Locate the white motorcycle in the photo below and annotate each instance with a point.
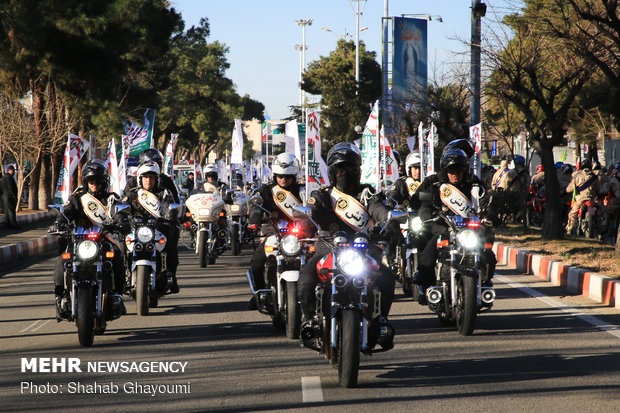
(238, 213)
(209, 213)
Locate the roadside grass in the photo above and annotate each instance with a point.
(584, 253)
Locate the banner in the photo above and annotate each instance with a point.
(264, 132)
(236, 156)
(316, 169)
(474, 135)
(74, 151)
(370, 149)
(140, 137)
(389, 165)
(112, 164)
(222, 171)
(169, 156)
(292, 139)
(422, 149)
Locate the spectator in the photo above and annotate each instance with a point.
(189, 182)
(9, 197)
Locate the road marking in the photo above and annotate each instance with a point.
(597, 322)
(38, 327)
(311, 389)
(31, 326)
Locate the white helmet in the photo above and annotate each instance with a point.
(210, 168)
(412, 159)
(147, 167)
(285, 164)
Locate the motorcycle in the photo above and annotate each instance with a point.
(348, 307)
(406, 261)
(459, 295)
(587, 219)
(148, 276)
(211, 229)
(89, 277)
(238, 213)
(286, 252)
(536, 207)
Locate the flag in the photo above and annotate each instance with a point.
(140, 137)
(316, 169)
(422, 149)
(222, 171)
(411, 143)
(292, 139)
(389, 168)
(564, 154)
(169, 157)
(236, 156)
(494, 149)
(264, 132)
(476, 138)
(370, 149)
(430, 151)
(112, 164)
(74, 151)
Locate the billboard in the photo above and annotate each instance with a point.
(409, 62)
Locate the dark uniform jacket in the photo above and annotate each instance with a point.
(265, 191)
(320, 203)
(8, 187)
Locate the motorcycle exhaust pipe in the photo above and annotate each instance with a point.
(433, 295)
(488, 295)
(251, 281)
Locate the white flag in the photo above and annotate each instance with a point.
(430, 151)
(422, 148)
(112, 164)
(476, 138)
(236, 155)
(169, 157)
(315, 170)
(74, 151)
(292, 139)
(389, 165)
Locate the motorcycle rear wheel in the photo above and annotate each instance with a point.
(293, 312)
(466, 305)
(85, 316)
(202, 249)
(349, 347)
(143, 273)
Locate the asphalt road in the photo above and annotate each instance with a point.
(525, 355)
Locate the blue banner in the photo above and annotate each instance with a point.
(409, 62)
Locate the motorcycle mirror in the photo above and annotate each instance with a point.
(55, 209)
(257, 200)
(174, 210)
(301, 212)
(398, 216)
(119, 208)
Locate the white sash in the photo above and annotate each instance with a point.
(455, 200)
(98, 214)
(412, 185)
(350, 211)
(285, 200)
(149, 202)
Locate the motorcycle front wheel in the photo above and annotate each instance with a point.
(202, 248)
(293, 312)
(143, 274)
(349, 347)
(466, 305)
(234, 240)
(85, 316)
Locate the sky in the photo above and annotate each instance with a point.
(261, 36)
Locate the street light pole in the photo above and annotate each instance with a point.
(303, 24)
(357, 42)
(478, 10)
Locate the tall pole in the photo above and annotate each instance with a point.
(384, 109)
(303, 24)
(477, 11)
(357, 46)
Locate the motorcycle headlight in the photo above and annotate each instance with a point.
(416, 224)
(235, 207)
(204, 211)
(145, 234)
(468, 239)
(290, 245)
(87, 250)
(351, 262)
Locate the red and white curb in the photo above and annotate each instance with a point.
(27, 218)
(12, 253)
(595, 286)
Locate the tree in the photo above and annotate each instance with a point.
(541, 79)
(343, 105)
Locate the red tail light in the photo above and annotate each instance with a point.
(187, 224)
(252, 226)
(473, 224)
(93, 236)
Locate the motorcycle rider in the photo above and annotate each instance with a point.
(328, 207)
(538, 180)
(212, 180)
(164, 180)
(406, 186)
(454, 170)
(84, 208)
(279, 197)
(585, 187)
(158, 205)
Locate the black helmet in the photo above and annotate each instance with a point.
(344, 153)
(585, 164)
(462, 144)
(152, 154)
(452, 157)
(95, 170)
